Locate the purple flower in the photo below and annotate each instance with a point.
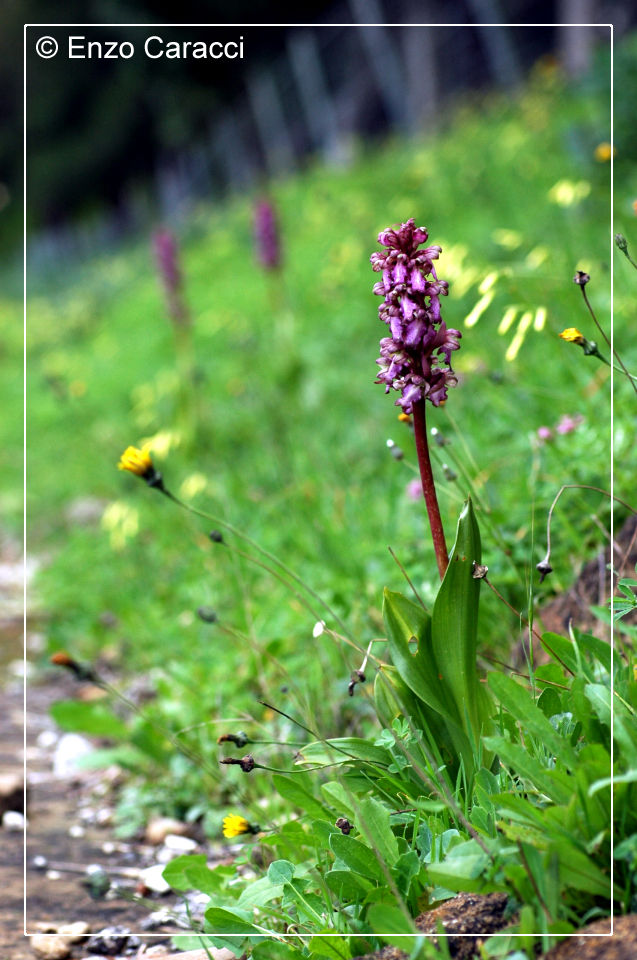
(416, 358)
(266, 235)
(544, 434)
(414, 490)
(568, 424)
(165, 247)
(167, 259)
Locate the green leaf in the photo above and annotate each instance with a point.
(405, 622)
(391, 924)
(124, 755)
(338, 798)
(374, 824)
(623, 721)
(462, 870)
(556, 784)
(191, 872)
(258, 893)
(220, 922)
(454, 629)
(343, 750)
(90, 717)
(334, 948)
(519, 702)
(292, 789)
(275, 950)
(280, 871)
(599, 649)
(564, 651)
(357, 856)
(549, 702)
(348, 885)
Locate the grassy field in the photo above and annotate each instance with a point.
(284, 434)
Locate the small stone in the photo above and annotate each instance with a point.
(74, 931)
(47, 739)
(53, 875)
(159, 828)
(108, 847)
(40, 863)
(69, 751)
(11, 792)
(76, 831)
(179, 843)
(50, 947)
(152, 878)
(110, 940)
(104, 816)
(13, 820)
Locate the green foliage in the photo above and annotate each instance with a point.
(453, 707)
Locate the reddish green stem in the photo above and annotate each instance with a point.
(429, 487)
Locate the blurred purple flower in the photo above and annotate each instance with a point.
(266, 235)
(414, 490)
(569, 424)
(416, 358)
(167, 259)
(165, 247)
(544, 434)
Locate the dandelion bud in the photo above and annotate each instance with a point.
(246, 763)
(357, 676)
(239, 739)
(207, 614)
(581, 278)
(621, 242)
(63, 659)
(343, 825)
(544, 568)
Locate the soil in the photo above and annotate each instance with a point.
(621, 946)
(52, 806)
(468, 913)
(594, 585)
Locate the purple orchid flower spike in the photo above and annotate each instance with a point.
(266, 235)
(416, 358)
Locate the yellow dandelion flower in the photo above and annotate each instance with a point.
(603, 152)
(572, 335)
(136, 461)
(234, 826)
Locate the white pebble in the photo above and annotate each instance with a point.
(173, 841)
(13, 820)
(76, 831)
(152, 877)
